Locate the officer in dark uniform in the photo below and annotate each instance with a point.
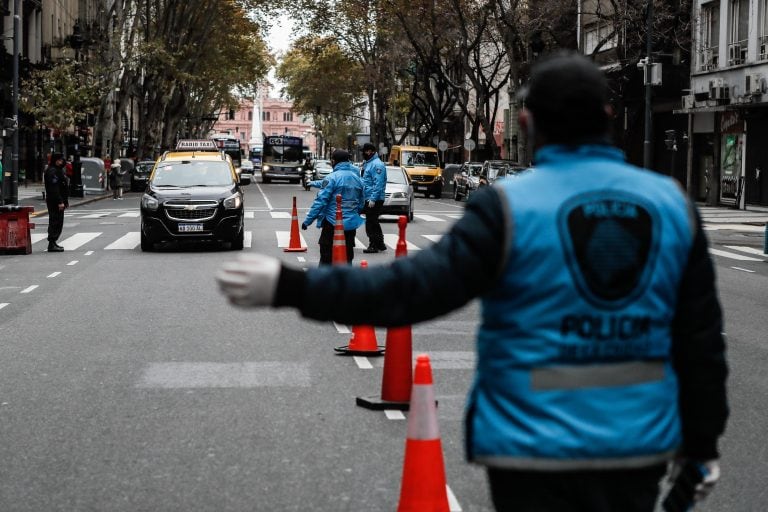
(56, 198)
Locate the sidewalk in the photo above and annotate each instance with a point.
(32, 195)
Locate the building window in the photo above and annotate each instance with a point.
(598, 35)
(738, 24)
(265, 116)
(709, 35)
(762, 45)
(250, 115)
(287, 116)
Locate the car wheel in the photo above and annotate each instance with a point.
(237, 243)
(438, 192)
(146, 245)
(264, 179)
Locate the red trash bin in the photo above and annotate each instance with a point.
(14, 229)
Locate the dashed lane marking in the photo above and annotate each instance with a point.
(29, 288)
(363, 363)
(53, 274)
(732, 255)
(3, 304)
(248, 240)
(394, 415)
(73, 262)
(341, 329)
(743, 270)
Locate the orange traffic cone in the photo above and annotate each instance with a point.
(294, 245)
(397, 378)
(363, 341)
(339, 255)
(423, 486)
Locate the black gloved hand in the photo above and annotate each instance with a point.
(303, 226)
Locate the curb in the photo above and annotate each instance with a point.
(72, 205)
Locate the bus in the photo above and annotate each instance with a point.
(254, 155)
(282, 158)
(230, 146)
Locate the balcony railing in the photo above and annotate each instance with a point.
(708, 59)
(762, 48)
(737, 53)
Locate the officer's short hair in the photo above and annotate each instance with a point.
(340, 155)
(567, 95)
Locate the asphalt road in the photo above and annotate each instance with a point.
(128, 383)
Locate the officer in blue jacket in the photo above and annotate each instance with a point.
(375, 181)
(600, 348)
(344, 180)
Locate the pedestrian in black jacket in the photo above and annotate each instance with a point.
(56, 199)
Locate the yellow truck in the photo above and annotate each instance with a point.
(422, 165)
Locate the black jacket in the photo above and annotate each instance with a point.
(56, 185)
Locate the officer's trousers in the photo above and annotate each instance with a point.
(326, 243)
(55, 222)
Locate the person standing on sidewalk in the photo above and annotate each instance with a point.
(344, 180)
(375, 181)
(601, 358)
(116, 174)
(56, 199)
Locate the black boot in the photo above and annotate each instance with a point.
(371, 249)
(54, 247)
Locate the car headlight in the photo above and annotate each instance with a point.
(399, 195)
(149, 202)
(265, 168)
(233, 202)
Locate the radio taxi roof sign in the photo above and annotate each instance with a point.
(196, 145)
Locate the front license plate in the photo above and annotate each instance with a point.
(186, 228)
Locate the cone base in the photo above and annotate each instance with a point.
(294, 249)
(346, 351)
(375, 403)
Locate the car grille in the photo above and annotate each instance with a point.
(197, 211)
(421, 177)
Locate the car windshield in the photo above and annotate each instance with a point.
(188, 173)
(474, 170)
(423, 158)
(144, 166)
(322, 164)
(395, 175)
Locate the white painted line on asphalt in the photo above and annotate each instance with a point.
(454, 215)
(36, 237)
(130, 214)
(89, 253)
(54, 274)
(390, 240)
(248, 240)
(280, 215)
(78, 239)
(453, 503)
(29, 288)
(734, 227)
(341, 329)
(266, 199)
(394, 415)
(94, 216)
(433, 238)
(130, 240)
(250, 374)
(732, 255)
(428, 218)
(3, 304)
(73, 262)
(249, 215)
(751, 250)
(284, 239)
(743, 270)
(363, 363)
(302, 259)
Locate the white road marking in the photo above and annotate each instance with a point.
(394, 415)
(251, 374)
(734, 226)
(54, 274)
(73, 262)
(751, 250)
(454, 215)
(301, 259)
(248, 240)
(78, 239)
(129, 240)
(249, 214)
(391, 241)
(3, 304)
(428, 218)
(130, 214)
(36, 237)
(89, 253)
(280, 215)
(266, 199)
(341, 329)
(433, 238)
(284, 239)
(29, 288)
(94, 216)
(743, 270)
(732, 255)
(363, 363)
(453, 503)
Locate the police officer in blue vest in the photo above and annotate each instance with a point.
(601, 361)
(375, 181)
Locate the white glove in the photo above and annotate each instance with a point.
(370, 203)
(710, 470)
(251, 280)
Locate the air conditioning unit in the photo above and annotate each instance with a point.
(753, 84)
(718, 90)
(688, 101)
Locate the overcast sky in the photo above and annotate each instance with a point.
(279, 39)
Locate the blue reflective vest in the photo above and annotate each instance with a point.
(374, 178)
(344, 180)
(574, 365)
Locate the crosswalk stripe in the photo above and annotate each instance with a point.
(454, 215)
(428, 218)
(78, 239)
(284, 239)
(751, 250)
(130, 214)
(733, 255)
(391, 241)
(280, 215)
(94, 216)
(433, 238)
(128, 241)
(3, 304)
(249, 215)
(248, 240)
(36, 237)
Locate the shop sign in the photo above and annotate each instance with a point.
(730, 122)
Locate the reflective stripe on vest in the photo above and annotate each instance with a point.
(596, 375)
(542, 464)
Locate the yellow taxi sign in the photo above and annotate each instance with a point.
(196, 145)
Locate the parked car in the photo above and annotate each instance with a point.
(450, 172)
(467, 180)
(139, 175)
(246, 172)
(498, 169)
(322, 169)
(398, 195)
